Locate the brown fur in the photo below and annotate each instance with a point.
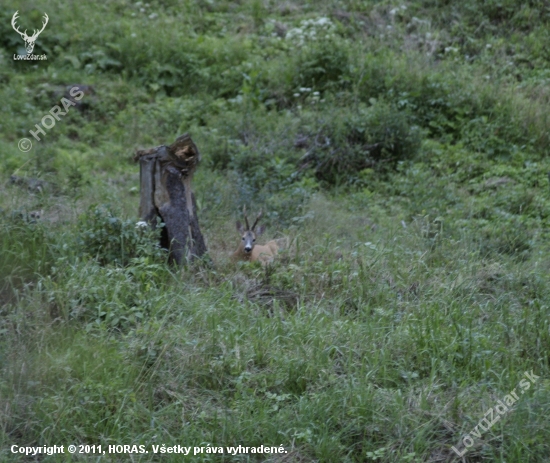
(264, 253)
(248, 250)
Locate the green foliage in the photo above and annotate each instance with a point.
(111, 296)
(376, 136)
(25, 247)
(109, 239)
(322, 66)
(505, 236)
(400, 155)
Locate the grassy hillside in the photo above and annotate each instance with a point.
(402, 147)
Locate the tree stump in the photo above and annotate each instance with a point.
(165, 191)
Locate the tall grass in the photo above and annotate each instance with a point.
(397, 151)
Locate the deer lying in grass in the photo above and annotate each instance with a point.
(248, 250)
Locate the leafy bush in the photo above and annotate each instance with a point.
(322, 66)
(109, 239)
(508, 235)
(452, 108)
(26, 246)
(378, 137)
(267, 156)
(117, 297)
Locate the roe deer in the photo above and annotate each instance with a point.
(248, 250)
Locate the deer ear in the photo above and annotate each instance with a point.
(259, 229)
(240, 227)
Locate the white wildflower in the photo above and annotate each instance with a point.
(311, 30)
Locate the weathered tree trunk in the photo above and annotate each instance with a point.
(165, 178)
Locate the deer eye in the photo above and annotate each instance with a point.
(254, 240)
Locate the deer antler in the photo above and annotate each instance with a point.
(246, 218)
(16, 28)
(24, 34)
(256, 222)
(37, 33)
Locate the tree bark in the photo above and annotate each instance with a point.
(165, 192)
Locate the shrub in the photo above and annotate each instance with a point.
(26, 246)
(110, 239)
(322, 66)
(372, 137)
(509, 235)
(117, 297)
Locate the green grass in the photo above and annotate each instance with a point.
(403, 150)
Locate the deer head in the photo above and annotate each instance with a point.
(29, 41)
(248, 233)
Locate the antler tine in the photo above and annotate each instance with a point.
(246, 218)
(44, 23)
(36, 31)
(256, 222)
(16, 28)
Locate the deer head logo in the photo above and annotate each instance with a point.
(29, 41)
